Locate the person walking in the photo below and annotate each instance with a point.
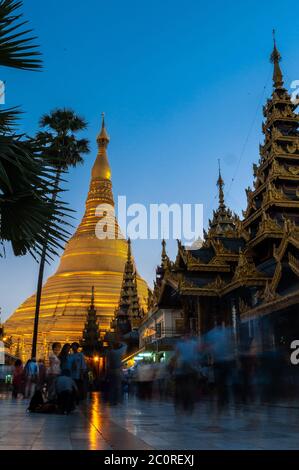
(185, 364)
(18, 379)
(65, 357)
(42, 373)
(78, 369)
(114, 372)
(145, 378)
(54, 370)
(31, 377)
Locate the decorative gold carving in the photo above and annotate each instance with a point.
(243, 306)
(214, 285)
(273, 194)
(277, 149)
(268, 224)
(268, 293)
(219, 247)
(217, 261)
(293, 170)
(278, 113)
(293, 147)
(245, 268)
(191, 260)
(289, 225)
(263, 152)
(242, 233)
(281, 170)
(291, 233)
(294, 263)
(184, 284)
(217, 284)
(276, 134)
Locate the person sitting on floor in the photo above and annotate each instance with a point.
(66, 392)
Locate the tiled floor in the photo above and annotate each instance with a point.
(148, 425)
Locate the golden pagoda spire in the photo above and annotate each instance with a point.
(101, 168)
(88, 260)
(275, 59)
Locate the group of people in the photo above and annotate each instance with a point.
(60, 385)
(211, 366)
(216, 369)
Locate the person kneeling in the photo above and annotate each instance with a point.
(66, 391)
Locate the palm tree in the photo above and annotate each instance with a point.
(27, 210)
(62, 150)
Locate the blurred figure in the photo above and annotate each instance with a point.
(54, 370)
(247, 371)
(18, 379)
(78, 369)
(130, 382)
(65, 358)
(185, 370)
(42, 374)
(66, 391)
(31, 377)
(161, 379)
(221, 345)
(145, 378)
(114, 372)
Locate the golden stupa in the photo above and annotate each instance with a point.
(87, 261)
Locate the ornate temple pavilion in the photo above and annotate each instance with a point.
(246, 274)
(87, 261)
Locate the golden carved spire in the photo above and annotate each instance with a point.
(129, 254)
(164, 257)
(224, 222)
(129, 300)
(103, 138)
(101, 168)
(220, 184)
(275, 59)
(92, 297)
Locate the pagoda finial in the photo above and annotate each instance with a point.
(92, 297)
(164, 257)
(103, 138)
(101, 168)
(129, 255)
(220, 184)
(275, 59)
(163, 248)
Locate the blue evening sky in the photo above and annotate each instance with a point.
(182, 84)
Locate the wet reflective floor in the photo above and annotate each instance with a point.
(148, 425)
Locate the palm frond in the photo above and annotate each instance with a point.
(17, 49)
(29, 213)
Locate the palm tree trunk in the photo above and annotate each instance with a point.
(38, 299)
(41, 276)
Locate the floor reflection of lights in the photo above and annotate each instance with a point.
(95, 421)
